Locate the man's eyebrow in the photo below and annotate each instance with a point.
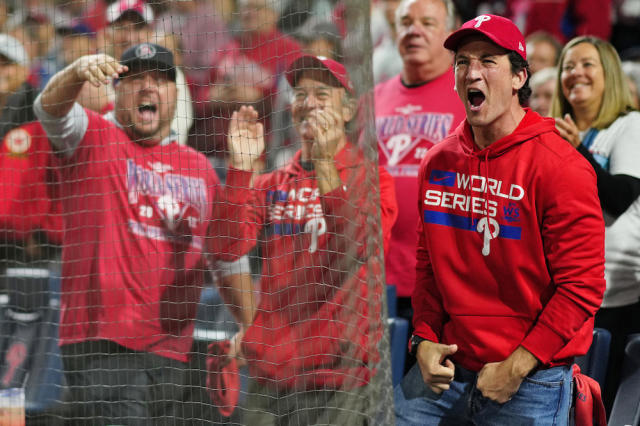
(482, 56)
(322, 87)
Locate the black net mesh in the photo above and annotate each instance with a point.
(157, 266)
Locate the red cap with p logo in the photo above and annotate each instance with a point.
(499, 30)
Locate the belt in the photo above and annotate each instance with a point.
(463, 375)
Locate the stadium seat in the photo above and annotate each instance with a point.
(626, 407)
(594, 363)
(213, 320)
(30, 356)
(398, 337)
(392, 301)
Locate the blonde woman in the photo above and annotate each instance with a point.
(593, 110)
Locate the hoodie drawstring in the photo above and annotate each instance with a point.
(486, 223)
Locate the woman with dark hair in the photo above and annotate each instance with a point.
(593, 110)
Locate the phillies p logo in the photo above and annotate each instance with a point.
(480, 19)
(484, 226)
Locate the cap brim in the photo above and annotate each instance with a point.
(300, 64)
(454, 39)
(129, 14)
(64, 31)
(309, 62)
(138, 65)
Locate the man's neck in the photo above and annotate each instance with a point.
(250, 37)
(412, 75)
(484, 136)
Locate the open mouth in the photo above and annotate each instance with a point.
(147, 111)
(476, 98)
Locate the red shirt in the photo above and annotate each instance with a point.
(409, 122)
(136, 219)
(28, 184)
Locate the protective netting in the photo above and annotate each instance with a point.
(142, 246)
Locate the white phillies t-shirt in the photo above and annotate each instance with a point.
(619, 147)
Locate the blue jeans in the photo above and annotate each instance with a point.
(544, 398)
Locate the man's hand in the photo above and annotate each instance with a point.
(246, 138)
(235, 350)
(98, 69)
(437, 371)
(327, 130)
(499, 381)
(568, 130)
(65, 86)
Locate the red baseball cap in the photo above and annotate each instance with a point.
(500, 30)
(309, 62)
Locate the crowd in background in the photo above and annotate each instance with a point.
(235, 52)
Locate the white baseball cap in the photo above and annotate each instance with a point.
(119, 8)
(13, 50)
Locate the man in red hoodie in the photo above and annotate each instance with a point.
(312, 346)
(510, 257)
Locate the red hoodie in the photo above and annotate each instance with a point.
(313, 328)
(511, 246)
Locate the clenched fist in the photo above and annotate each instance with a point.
(98, 69)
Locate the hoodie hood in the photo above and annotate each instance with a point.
(532, 125)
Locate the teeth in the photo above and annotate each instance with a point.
(147, 106)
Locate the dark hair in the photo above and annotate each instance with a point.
(518, 63)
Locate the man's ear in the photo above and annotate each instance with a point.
(519, 79)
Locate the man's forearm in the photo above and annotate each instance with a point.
(61, 92)
(237, 292)
(522, 361)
